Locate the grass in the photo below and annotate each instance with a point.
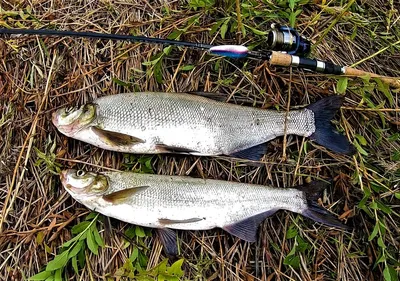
(38, 75)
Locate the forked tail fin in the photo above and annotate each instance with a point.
(312, 192)
(325, 134)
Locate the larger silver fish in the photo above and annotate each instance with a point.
(150, 122)
(173, 202)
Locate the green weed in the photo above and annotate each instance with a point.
(47, 159)
(72, 252)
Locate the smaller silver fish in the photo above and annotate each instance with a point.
(175, 202)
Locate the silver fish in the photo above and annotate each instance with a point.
(175, 202)
(150, 122)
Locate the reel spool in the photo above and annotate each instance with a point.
(287, 40)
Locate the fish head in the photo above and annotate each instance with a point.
(82, 184)
(70, 120)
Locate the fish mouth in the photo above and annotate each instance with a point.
(54, 118)
(63, 178)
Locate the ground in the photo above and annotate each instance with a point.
(39, 75)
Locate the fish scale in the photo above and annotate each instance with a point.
(228, 128)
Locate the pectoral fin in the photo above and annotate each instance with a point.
(168, 221)
(174, 149)
(169, 240)
(114, 138)
(124, 194)
(247, 228)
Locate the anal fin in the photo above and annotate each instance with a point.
(169, 240)
(253, 153)
(247, 228)
(114, 138)
(124, 194)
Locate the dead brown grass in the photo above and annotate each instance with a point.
(38, 75)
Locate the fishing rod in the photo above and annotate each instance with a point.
(286, 48)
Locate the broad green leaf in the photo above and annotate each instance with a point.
(359, 148)
(381, 243)
(134, 254)
(383, 207)
(58, 262)
(256, 31)
(40, 238)
(97, 237)
(167, 50)
(76, 229)
(373, 205)
(81, 258)
(361, 139)
(158, 72)
(291, 232)
(93, 247)
(382, 257)
(130, 232)
(82, 236)
(397, 195)
(57, 275)
(74, 263)
(292, 4)
(386, 274)
(75, 250)
(224, 28)
(187, 67)
(120, 82)
(41, 275)
(91, 216)
(139, 231)
(384, 88)
(374, 232)
(292, 19)
(176, 268)
(342, 85)
(175, 34)
(293, 261)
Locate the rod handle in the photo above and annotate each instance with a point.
(282, 59)
(392, 81)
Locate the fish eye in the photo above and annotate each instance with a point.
(80, 173)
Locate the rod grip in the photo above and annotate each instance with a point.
(280, 59)
(394, 82)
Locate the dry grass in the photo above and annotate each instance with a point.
(38, 75)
